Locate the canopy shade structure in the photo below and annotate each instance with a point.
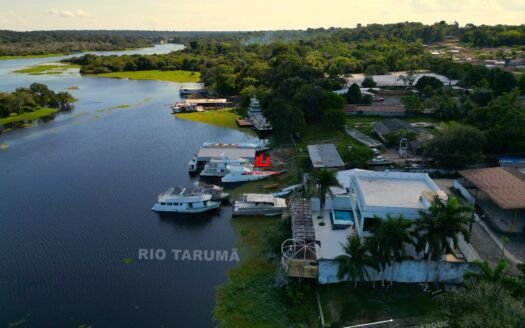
(504, 187)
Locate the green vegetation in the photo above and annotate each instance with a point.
(47, 69)
(28, 116)
(344, 305)
(170, 76)
(220, 117)
(52, 43)
(250, 298)
(32, 103)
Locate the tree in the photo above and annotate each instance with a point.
(390, 240)
(354, 95)
(482, 304)
(438, 227)
(355, 260)
(368, 82)
(413, 104)
(487, 272)
(456, 145)
(428, 84)
(335, 119)
(408, 79)
(325, 179)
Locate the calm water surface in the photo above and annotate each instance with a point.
(75, 199)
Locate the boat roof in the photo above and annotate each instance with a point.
(218, 152)
(259, 198)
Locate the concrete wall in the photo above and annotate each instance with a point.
(406, 271)
(464, 192)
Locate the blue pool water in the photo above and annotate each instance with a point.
(343, 215)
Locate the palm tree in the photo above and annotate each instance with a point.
(325, 178)
(355, 261)
(488, 273)
(440, 224)
(389, 242)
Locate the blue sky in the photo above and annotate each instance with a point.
(248, 14)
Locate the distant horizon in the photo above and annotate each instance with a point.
(248, 15)
(243, 31)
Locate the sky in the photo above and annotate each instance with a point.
(245, 15)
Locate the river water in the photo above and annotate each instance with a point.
(75, 199)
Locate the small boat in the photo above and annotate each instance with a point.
(217, 193)
(281, 193)
(185, 200)
(259, 147)
(259, 204)
(245, 174)
(293, 188)
(271, 186)
(287, 191)
(218, 167)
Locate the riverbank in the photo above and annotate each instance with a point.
(169, 76)
(251, 298)
(28, 116)
(225, 118)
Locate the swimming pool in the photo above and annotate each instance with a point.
(342, 218)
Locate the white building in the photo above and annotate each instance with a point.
(372, 194)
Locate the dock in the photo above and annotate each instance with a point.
(244, 123)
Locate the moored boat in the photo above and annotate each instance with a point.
(185, 200)
(219, 167)
(259, 204)
(245, 174)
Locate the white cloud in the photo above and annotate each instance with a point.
(69, 14)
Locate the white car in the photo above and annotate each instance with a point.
(378, 159)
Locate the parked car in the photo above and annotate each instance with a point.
(378, 159)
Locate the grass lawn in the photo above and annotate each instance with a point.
(170, 76)
(250, 298)
(29, 116)
(221, 117)
(345, 305)
(47, 69)
(30, 56)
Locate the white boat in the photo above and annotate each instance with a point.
(292, 188)
(259, 204)
(185, 200)
(282, 193)
(219, 167)
(259, 147)
(245, 174)
(287, 191)
(217, 193)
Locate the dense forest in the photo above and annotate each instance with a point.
(65, 42)
(24, 100)
(294, 79)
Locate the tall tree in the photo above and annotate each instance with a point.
(438, 227)
(325, 179)
(355, 260)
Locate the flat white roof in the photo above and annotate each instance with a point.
(388, 189)
(393, 192)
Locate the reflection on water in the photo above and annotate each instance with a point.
(75, 200)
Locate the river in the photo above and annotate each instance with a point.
(75, 199)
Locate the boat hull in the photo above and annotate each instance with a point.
(173, 209)
(257, 212)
